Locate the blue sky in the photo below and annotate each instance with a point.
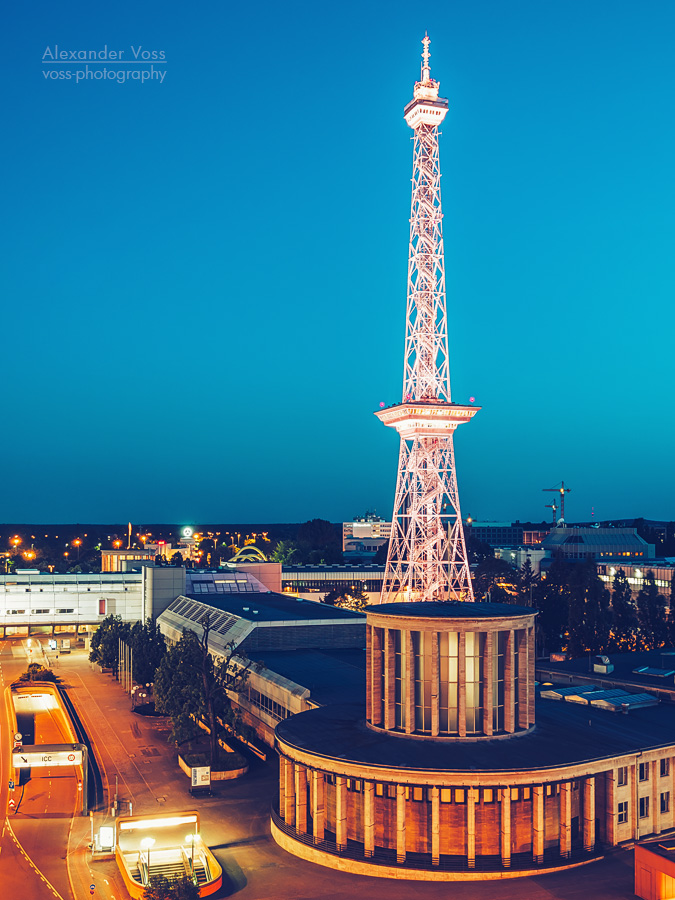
(204, 278)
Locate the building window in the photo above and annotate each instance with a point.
(379, 790)
(623, 812)
(488, 795)
(423, 676)
(418, 793)
(665, 767)
(266, 704)
(622, 777)
(665, 802)
(644, 807)
(446, 795)
(643, 774)
(391, 791)
(448, 650)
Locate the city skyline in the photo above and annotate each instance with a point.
(206, 280)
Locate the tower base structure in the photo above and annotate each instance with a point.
(447, 777)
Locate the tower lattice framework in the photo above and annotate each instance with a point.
(427, 558)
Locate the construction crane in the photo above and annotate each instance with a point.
(562, 490)
(554, 508)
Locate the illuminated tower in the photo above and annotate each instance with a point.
(427, 557)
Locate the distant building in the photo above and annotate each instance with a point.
(596, 543)
(125, 560)
(314, 582)
(496, 534)
(518, 556)
(663, 570)
(362, 538)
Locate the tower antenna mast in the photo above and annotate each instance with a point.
(427, 557)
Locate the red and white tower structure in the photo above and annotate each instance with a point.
(427, 557)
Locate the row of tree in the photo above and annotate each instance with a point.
(577, 612)
(189, 685)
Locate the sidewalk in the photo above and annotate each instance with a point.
(133, 753)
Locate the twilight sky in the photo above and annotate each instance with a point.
(203, 277)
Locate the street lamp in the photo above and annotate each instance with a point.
(190, 839)
(76, 543)
(146, 844)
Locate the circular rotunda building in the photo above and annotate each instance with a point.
(448, 776)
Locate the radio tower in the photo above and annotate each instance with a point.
(427, 557)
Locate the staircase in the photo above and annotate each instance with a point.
(171, 869)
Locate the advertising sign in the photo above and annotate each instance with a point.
(201, 776)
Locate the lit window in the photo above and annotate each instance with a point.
(446, 795)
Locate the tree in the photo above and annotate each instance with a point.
(161, 888)
(495, 579)
(625, 626)
(352, 598)
(284, 552)
(589, 617)
(528, 580)
(319, 542)
(104, 648)
(37, 672)
(190, 687)
(148, 650)
(177, 559)
(652, 614)
(552, 601)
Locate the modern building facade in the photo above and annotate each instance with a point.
(362, 538)
(662, 569)
(314, 582)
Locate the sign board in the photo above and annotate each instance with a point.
(11, 785)
(106, 837)
(18, 736)
(39, 759)
(201, 776)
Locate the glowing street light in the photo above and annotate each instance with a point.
(190, 839)
(77, 543)
(146, 844)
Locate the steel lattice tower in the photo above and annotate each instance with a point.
(427, 557)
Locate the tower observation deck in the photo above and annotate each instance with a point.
(427, 558)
